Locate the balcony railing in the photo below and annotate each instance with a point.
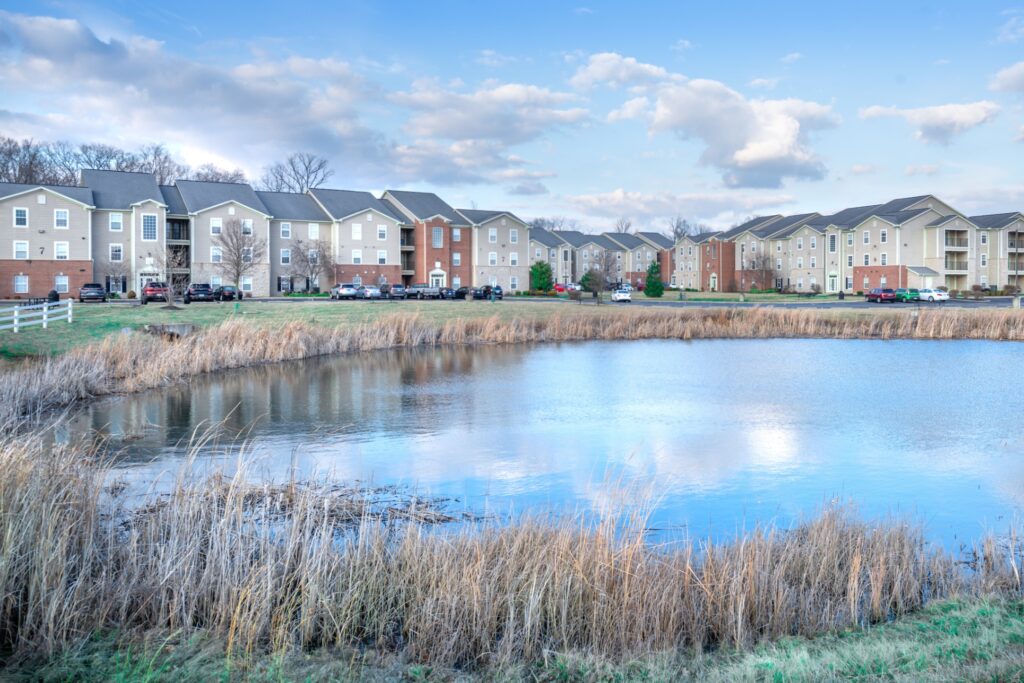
(956, 242)
(1016, 244)
(1016, 267)
(956, 265)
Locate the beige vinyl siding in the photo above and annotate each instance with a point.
(480, 247)
(367, 241)
(204, 270)
(40, 233)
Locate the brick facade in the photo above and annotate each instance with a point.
(895, 277)
(718, 259)
(369, 274)
(41, 276)
(429, 257)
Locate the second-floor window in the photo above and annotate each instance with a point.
(286, 257)
(61, 218)
(286, 231)
(883, 236)
(314, 256)
(984, 260)
(21, 249)
(116, 253)
(849, 260)
(849, 239)
(382, 233)
(492, 258)
(984, 238)
(800, 262)
(800, 243)
(536, 253)
(216, 223)
(883, 259)
(314, 231)
(456, 258)
(814, 242)
(20, 217)
(60, 251)
(814, 262)
(246, 226)
(246, 254)
(492, 235)
(357, 231)
(456, 234)
(116, 222)
(867, 260)
(149, 227)
(382, 257)
(437, 238)
(513, 258)
(357, 256)
(216, 256)
(867, 237)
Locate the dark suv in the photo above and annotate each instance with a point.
(92, 291)
(154, 291)
(199, 292)
(227, 293)
(393, 291)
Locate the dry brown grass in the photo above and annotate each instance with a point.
(134, 363)
(217, 555)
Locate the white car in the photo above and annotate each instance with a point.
(622, 295)
(368, 292)
(343, 291)
(933, 295)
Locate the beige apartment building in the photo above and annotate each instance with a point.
(500, 253)
(367, 237)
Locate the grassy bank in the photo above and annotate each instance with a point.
(255, 574)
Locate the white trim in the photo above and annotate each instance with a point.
(110, 252)
(156, 225)
(14, 251)
(37, 188)
(220, 254)
(280, 229)
(67, 246)
(67, 219)
(110, 222)
(14, 217)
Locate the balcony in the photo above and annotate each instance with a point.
(177, 231)
(407, 244)
(408, 271)
(956, 266)
(1016, 243)
(1016, 267)
(956, 242)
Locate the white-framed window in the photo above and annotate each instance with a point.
(867, 260)
(513, 258)
(60, 251)
(456, 258)
(231, 211)
(832, 244)
(21, 249)
(800, 262)
(246, 226)
(800, 243)
(849, 260)
(456, 282)
(357, 280)
(437, 238)
(492, 235)
(849, 282)
(313, 255)
(849, 240)
(215, 281)
(984, 238)
(149, 227)
(314, 231)
(883, 236)
(778, 247)
(883, 259)
(246, 254)
(116, 253)
(216, 225)
(456, 234)
(513, 282)
(61, 219)
(814, 242)
(586, 255)
(40, 198)
(814, 262)
(866, 283)
(884, 281)
(867, 237)
(536, 253)
(60, 283)
(800, 283)
(115, 222)
(247, 283)
(21, 284)
(382, 233)
(382, 257)
(984, 260)
(20, 217)
(513, 236)
(778, 264)
(286, 257)
(357, 231)
(492, 258)
(813, 281)
(286, 231)
(357, 257)
(216, 255)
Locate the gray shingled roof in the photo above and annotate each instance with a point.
(199, 195)
(846, 218)
(479, 216)
(756, 222)
(996, 220)
(290, 206)
(604, 242)
(576, 238)
(424, 205)
(120, 189)
(704, 236)
(545, 237)
(626, 239)
(785, 226)
(657, 238)
(79, 194)
(172, 198)
(896, 205)
(900, 217)
(940, 220)
(344, 203)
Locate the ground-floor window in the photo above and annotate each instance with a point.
(116, 285)
(284, 284)
(849, 282)
(357, 280)
(247, 283)
(215, 281)
(21, 284)
(60, 283)
(799, 283)
(456, 282)
(866, 282)
(513, 283)
(884, 281)
(494, 281)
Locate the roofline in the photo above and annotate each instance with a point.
(36, 188)
(230, 201)
(497, 214)
(896, 225)
(369, 208)
(143, 201)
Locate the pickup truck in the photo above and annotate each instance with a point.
(422, 290)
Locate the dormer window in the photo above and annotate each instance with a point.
(231, 211)
(40, 198)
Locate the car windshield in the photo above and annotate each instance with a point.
(92, 285)
(200, 286)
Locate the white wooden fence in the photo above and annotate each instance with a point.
(36, 314)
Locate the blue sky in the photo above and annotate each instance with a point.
(589, 110)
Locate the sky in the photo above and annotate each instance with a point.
(590, 110)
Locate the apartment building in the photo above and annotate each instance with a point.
(500, 249)
(686, 271)
(439, 236)
(663, 252)
(633, 257)
(370, 238)
(1001, 247)
(583, 252)
(548, 247)
(298, 224)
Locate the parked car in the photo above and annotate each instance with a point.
(393, 291)
(153, 291)
(561, 288)
(227, 293)
(368, 292)
(421, 290)
(92, 291)
(933, 295)
(199, 292)
(485, 292)
(461, 293)
(907, 295)
(622, 295)
(881, 295)
(344, 291)
(447, 293)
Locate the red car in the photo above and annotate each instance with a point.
(882, 295)
(154, 291)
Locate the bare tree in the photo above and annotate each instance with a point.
(241, 251)
(65, 162)
(554, 223)
(106, 157)
(156, 159)
(623, 225)
(679, 228)
(312, 260)
(24, 162)
(116, 271)
(301, 171)
(758, 272)
(213, 174)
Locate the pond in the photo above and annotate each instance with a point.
(722, 434)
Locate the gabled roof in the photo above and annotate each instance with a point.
(704, 236)
(172, 198)
(785, 226)
(579, 239)
(545, 237)
(292, 206)
(902, 204)
(201, 194)
(942, 220)
(425, 205)
(846, 218)
(759, 221)
(901, 217)
(120, 189)
(625, 239)
(605, 243)
(82, 195)
(479, 216)
(656, 239)
(996, 220)
(341, 204)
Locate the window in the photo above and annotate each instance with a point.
(456, 234)
(313, 255)
(357, 231)
(246, 254)
(286, 257)
(883, 259)
(799, 242)
(456, 282)
(286, 231)
(116, 253)
(21, 284)
(849, 239)
(800, 262)
(149, 227)
(215, 281)
(492, 235)
(357, 256)
(382, 233)
(60, 251)
(231, 211)
(814, 242)
(246, 226)
(586, 254)
(314, 231)
(867, 260)
(536, 253)
(456, 258)
(40, 199)
(247, 283)
(60, 283)
(492, 258)
(60, 219)
(437, 238)
(513, 282)
(884, 281)
(849, 260)
(832, 244)
(800, 283)
(513, 237)
(20, 249)
(984, 260)
(382, 257)
(984, 238)
(513, 258)
(778, 246)
(866, 282)
(216, 223)
(357, 280)
(116, 222)
(814, 262)
(216, 256)
(867, 237)
(883, 236)
(20, 217)
(849, 282)
(778, 264)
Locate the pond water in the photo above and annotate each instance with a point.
(722, 433)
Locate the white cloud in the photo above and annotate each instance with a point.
(941, 123)
(791, 58)
(714, 208)
(614, 70)
(493, 58)
(922, 169)
(1013, 29)
(764, 83)
(631, 109)
(863, 169)
(1010, 79)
